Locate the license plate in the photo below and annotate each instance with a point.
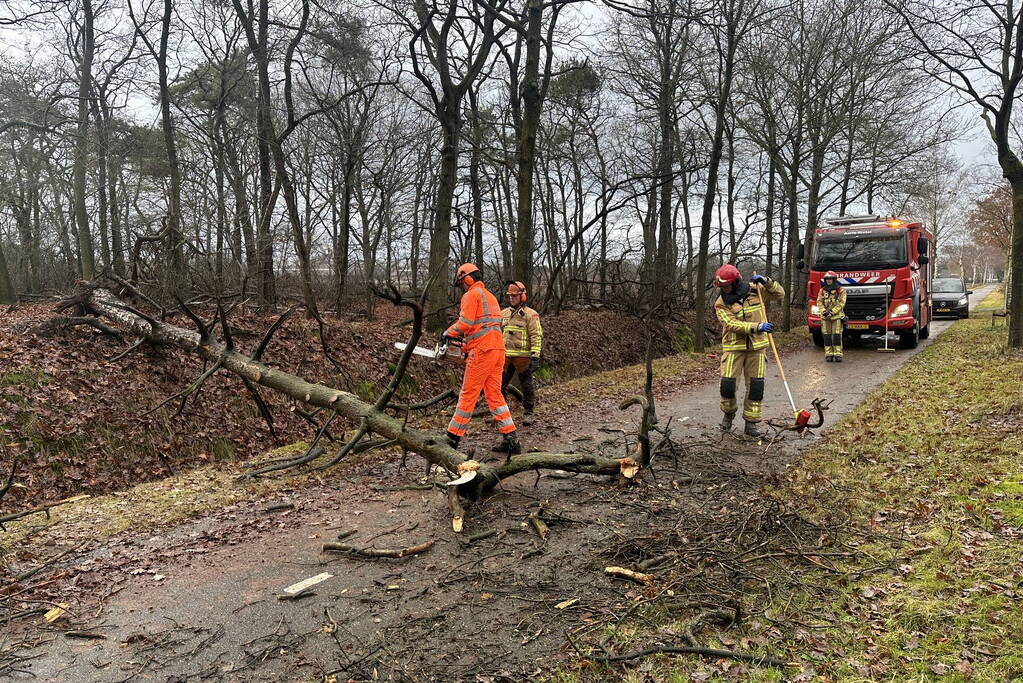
(944, 310)
(859, 326)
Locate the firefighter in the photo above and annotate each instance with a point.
(744, 342)
(523, 341)
(831, 302)
(479, 326)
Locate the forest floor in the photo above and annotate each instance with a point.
(200, 598)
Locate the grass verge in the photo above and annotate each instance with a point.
(919, 570)
(995, 301)
(157, 504)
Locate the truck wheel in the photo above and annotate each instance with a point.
(818, 337)
(925, 331)
(911, 339)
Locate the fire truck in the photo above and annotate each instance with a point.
(885, 268)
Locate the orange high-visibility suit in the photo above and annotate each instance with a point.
(479, 325)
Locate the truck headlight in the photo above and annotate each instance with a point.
(963, 301)
(900, 310)
(815, 309)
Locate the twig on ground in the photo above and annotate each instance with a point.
(378, 552)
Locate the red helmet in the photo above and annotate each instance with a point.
(725, 274)
(516, 287)
(465, 271)
(830, 275)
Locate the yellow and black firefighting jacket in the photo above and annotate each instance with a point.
(741, 313)
(832, 303)
(523, 335)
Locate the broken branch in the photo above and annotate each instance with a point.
(623, 573)
(378, 552)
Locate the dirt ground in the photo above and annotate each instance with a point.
(201, 601)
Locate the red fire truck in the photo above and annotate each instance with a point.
(884, 266)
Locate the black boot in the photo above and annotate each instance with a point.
(726, 422)
(510, 445)
(453, 440)
(838, 359)
(751, 430)
(527, 418)
(829, 359)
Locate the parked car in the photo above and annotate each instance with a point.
(950, 297)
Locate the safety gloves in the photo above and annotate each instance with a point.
(765, 327)
(534, 364)
(760, 280)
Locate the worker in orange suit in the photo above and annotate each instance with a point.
(479, 327)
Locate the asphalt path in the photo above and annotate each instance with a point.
(845, 384)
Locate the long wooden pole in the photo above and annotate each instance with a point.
(774, 350)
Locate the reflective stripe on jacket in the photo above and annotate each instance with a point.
(739, 321)
(523, 335)
(479, 320)
(832, 302)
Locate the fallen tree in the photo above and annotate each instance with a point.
(101, 300)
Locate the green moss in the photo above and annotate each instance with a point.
(683, 340)
(365, 389)
(222, 449)
(27, 377)
(289, 451)
(545, 372)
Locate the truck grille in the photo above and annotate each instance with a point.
(865, 307)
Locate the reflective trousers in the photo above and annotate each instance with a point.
(520, 365)
(751, 365)
(832, 331)
(483, 371)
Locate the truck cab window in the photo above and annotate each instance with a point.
(847, 252)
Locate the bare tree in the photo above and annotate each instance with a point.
(977, 51)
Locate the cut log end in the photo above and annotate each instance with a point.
(628, 467)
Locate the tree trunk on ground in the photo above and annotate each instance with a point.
(372, 418)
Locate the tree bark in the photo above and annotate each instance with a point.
(1014, 290)
(440, 241)
(175, 239)
(86, 255)
(7, 294)
(531, 104)
(717, 147)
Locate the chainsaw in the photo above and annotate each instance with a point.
(437, 353)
